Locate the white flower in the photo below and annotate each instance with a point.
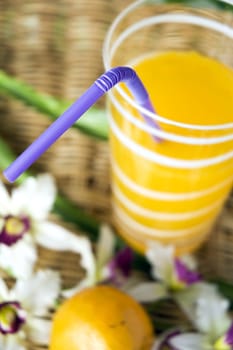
(24, 310)
(175, 273)
(212, 315)
(19, 259)
(213, 323)
(187, 298)
(147, 292)
(162, 341)
(190, 341)
(11, 342)
(175, 278)
(107, 265)
(161, 259)
(24, 224)
(97, 271)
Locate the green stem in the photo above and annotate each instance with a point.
(7, 157)
(209, 4)
(70, 213)
(94, 123)
(62, 206)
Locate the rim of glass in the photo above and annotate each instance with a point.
(164, 18)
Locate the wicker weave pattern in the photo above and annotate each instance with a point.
(56, 46)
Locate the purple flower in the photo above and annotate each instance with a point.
(185, 274)
(121, 265)
(13, 229)
(12, 317)
(229, 336)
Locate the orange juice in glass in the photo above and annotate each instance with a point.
(170, 182)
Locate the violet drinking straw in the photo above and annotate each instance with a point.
(104, 83)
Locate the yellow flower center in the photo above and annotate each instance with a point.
(7, 316)
(14, 226)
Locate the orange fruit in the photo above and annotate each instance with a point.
(101, 318)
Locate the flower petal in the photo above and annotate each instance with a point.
(55, 237)
(148, 291)
(212, 315)
(39, 330)
(136, 278)
(188, 297)
(187, 341)
(121, 265)
(189, 261)
(162, 342)
(35, 196)
(39, 292)
(105, 246)
(161, 258)
(19, 259)
(229, 335)
(5, 201)
(185, 274)
(11, 342)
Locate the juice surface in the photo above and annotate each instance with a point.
(158, 200)
(188, 87)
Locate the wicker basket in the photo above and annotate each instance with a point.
(56, 47)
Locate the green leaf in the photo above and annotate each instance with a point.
(70, 213)
(209, 4)
(94, 117)
(7, 157)
(94, 121)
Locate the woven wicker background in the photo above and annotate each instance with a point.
(57, 47)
